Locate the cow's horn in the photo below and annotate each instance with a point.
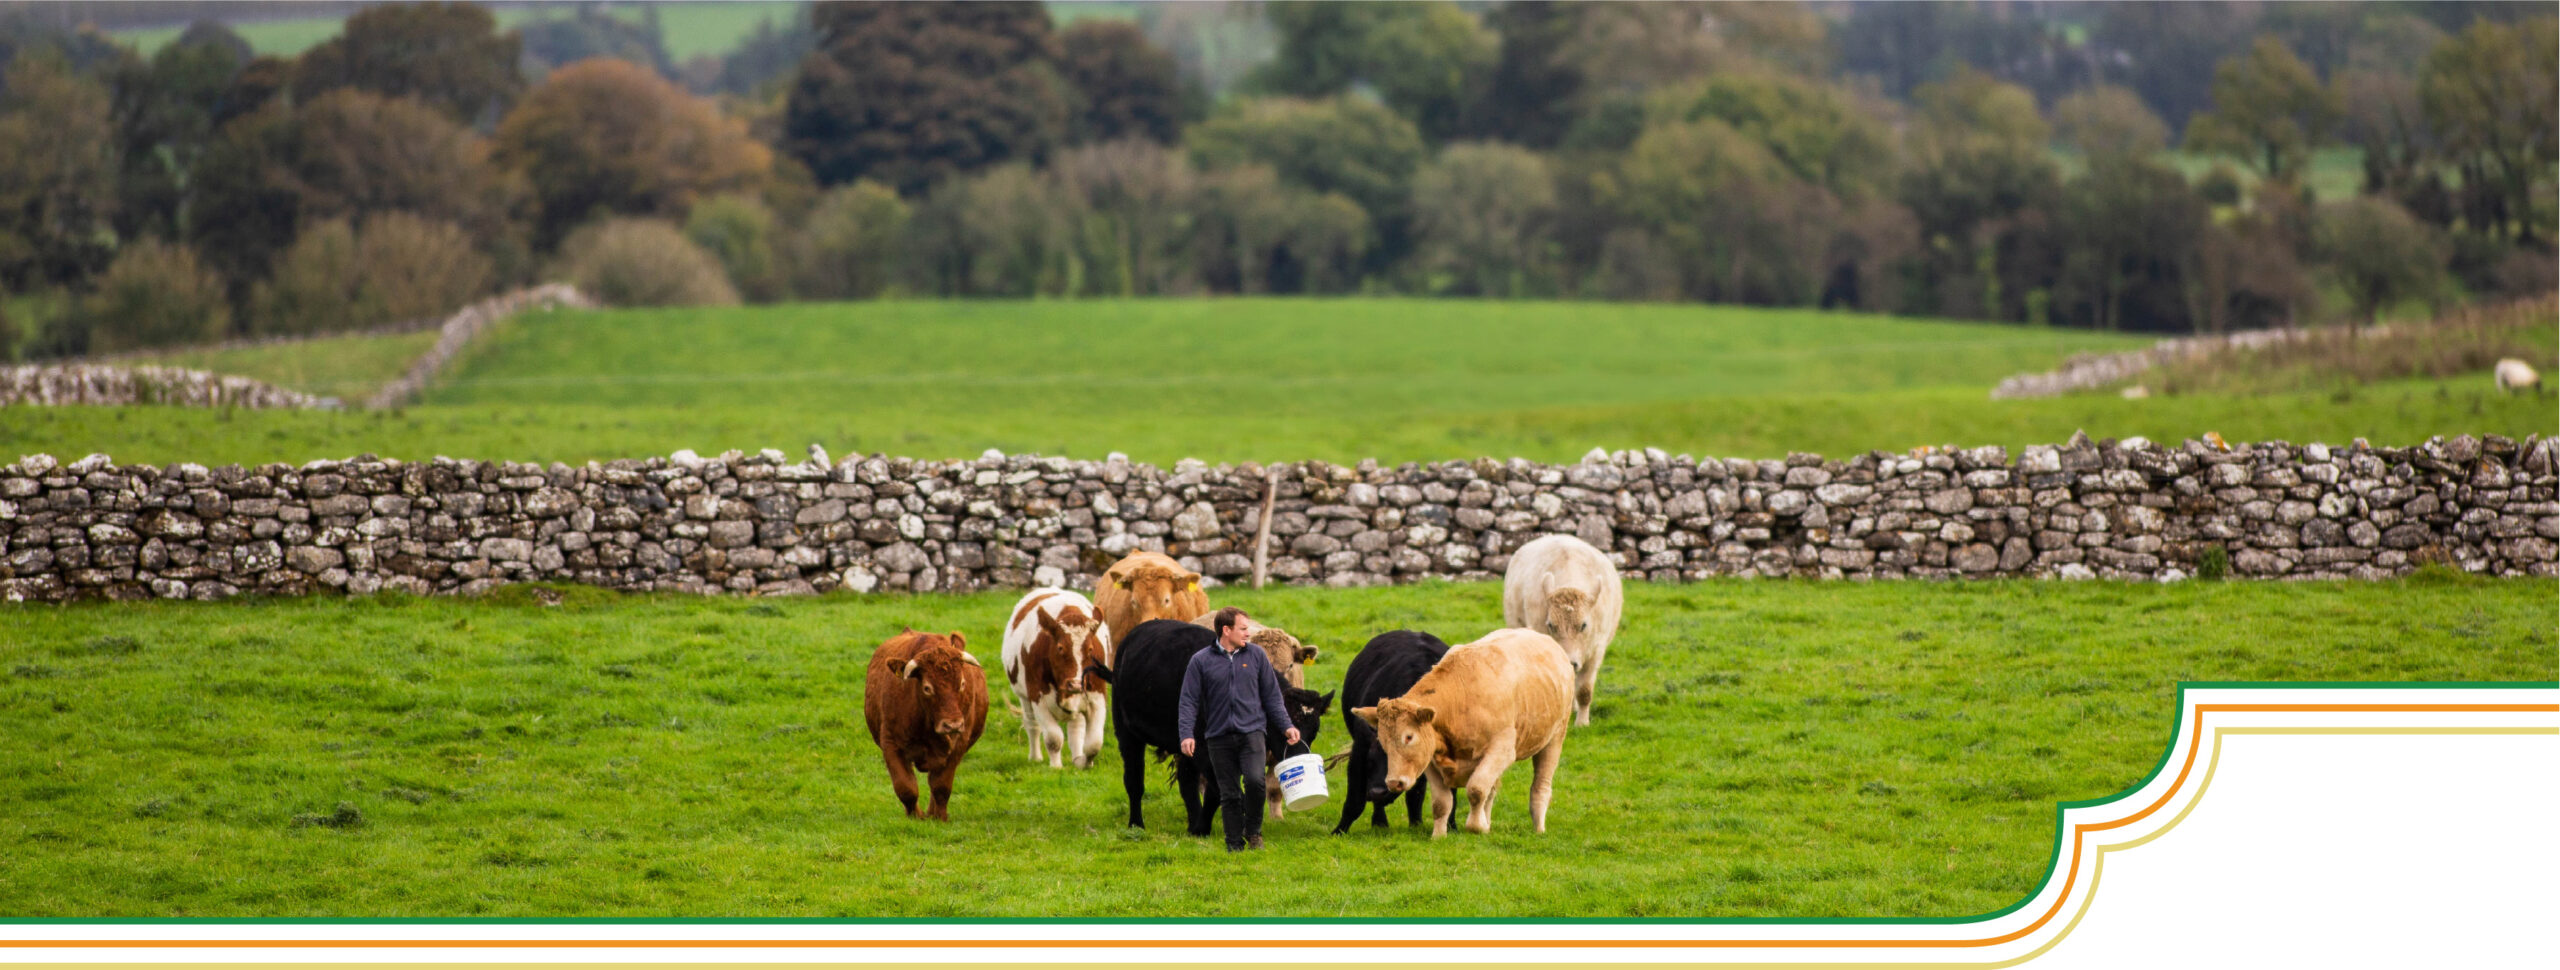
(971, 659)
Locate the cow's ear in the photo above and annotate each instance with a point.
(1307, 655)
(1324, 702)
(1124, 584)
(1369, 714)
(1188, 581)
(912, 670)
(1422, 716)
(959, 641)
(1050, 624)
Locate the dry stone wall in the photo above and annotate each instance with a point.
(58, 384)
(764, 525)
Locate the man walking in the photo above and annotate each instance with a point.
(1230, 695)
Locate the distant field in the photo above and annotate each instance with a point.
(1225, 380)
(688, 29)
(347, 368)
(1758, 749)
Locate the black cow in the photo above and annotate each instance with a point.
(1147, 689)
(1387, 667)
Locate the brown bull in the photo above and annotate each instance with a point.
(1147, 586)
(925, 699)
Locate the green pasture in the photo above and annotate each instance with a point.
(688, 30)
(1226, 380)
(1759, 749)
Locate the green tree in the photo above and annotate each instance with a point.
(1817, 130)
(398, 267)
(1981, 182)
(2379, 253)
(642, 262)
(1482, 214)
(851, 245)
(57, 173)
(1743, 228)
(1255, 233)
(1136, 202)
(2109, 121)
(317, 285)
(2490, 93)
(1534, 89)
(165, 112)
(604, 137)
(155, 295)
(739, 230)
(1126, 86)
(2127, 230)
(1426, 60)
(449, 55)
(1343, 144)
(2269, 111)
(907, 93)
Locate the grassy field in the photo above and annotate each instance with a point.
(688, 29)
(344, 367)
(1758, 749)
(1267, 379)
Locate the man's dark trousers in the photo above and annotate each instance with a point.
(1235, 767)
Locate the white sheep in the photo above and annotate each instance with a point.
(2515, 375)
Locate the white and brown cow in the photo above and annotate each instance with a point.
(1053, 637)
(1484, 706)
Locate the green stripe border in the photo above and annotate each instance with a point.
(2167, 753)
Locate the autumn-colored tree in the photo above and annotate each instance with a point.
(398, 267)
(449, 55)
(2269, 111)
(1126, 86)
(642, 262)
(57, 173)
(603, 137)
(907, 93)
(2109, 121)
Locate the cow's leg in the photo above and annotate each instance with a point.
(1096, 712)
(1031, 727)
(1542, 784)
(1482, 784)
(1412, 809)
(1133, 776)
(1583, 682)
(1052, 738)
(902, 779)
(1443, 801)
(1356, 801)
(941, 780)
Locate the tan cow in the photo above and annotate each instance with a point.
(1484, 706)
(1561, 586)
(1050, 643)
(925, 700)
(1147, 586)
(1288, 656)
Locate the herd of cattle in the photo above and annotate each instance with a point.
(1420, 713)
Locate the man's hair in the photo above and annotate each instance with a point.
(1226, 618)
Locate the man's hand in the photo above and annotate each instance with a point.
(1293, 735)
(1186, 746)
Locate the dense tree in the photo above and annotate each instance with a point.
(1256, 233)
(1744, 229)
(906, 93)
(1816, 130)
(1343, 144)
(587, 32)
(2109, 121)
(1905, 45)
(1426, 60)
(2493, 95)
(1534, 88)
(166, 109)
(449, 55)
(1481, 219)
(607, 137)
(2167, 52)
(155, 295)
(849, 248)
(642, 262)
(1126, 87)
(2269, 112)
(2126, 229)
(397, 267)
(769, 53)
(738, 229)
(2379, 254)
(57, 174)
(1136, 202)
(1981, 182)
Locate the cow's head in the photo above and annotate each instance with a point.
(1306, 711)
(935, 669)
(1286, 654)
(1152, 589)
(1407, 734)
(1078, 642)
(1569, 622)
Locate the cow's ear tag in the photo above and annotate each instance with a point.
(1195, 586)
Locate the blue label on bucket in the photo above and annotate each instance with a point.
(1291, 774)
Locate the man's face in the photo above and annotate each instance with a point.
(1238, 633)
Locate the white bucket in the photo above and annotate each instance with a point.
(1302, 781)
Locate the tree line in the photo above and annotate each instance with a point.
(1955, 160)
